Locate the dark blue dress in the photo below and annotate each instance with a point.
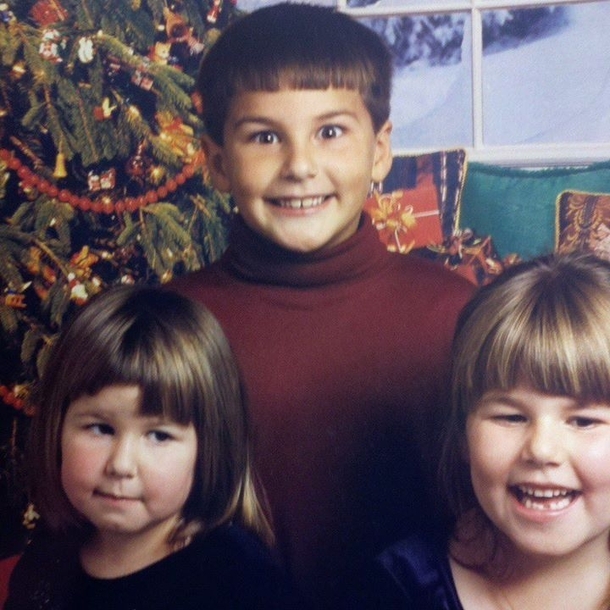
(413, 574)
(228, 569)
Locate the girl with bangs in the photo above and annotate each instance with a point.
(525, 470)
(141, 468)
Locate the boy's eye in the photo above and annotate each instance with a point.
(330, 131)
(265, 137)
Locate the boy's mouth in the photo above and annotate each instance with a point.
(296, 203)
(544, 498)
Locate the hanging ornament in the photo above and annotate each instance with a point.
(14, 300)
(137, 167)
(46, 12)
(101, 181)
(86, 51)
(214, 11)
(6, 15)
(104, 112)
(177, 134)
(30, 517)
(18, 70)
(51, 46)
(136, 5)
(175, 26)
(160, 53)
(60, 166)
(141, 77)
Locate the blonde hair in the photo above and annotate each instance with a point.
(175, 351)
(546, 323)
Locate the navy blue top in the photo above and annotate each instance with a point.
(228, 569)
(413, 574)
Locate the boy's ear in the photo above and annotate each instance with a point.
(214, 154)
(383, 153)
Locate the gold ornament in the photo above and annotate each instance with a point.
(60, 166)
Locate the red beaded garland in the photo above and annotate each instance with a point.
(99, 206)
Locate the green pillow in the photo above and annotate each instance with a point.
(516, 207)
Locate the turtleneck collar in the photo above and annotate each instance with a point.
(257, 259)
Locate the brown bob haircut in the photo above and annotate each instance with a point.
(175, 351)
(544, 323)
(295, 46)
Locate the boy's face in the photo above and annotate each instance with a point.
(299, 163)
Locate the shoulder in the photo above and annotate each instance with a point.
(238, 567)
(430, 272)
(419, 567)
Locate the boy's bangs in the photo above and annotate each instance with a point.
(303, 76)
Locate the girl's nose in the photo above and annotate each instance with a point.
(122, 459)
(300, 162)
(544, 445)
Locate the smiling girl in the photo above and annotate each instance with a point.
(526, 463)
(141, 468)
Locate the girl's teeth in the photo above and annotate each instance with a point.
(555, 505)
(545, 499)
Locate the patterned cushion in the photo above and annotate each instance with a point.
(583, 223)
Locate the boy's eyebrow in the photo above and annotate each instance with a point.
(268, 120)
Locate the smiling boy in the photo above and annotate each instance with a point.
(344, 347)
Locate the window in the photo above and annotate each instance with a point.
(522, 83)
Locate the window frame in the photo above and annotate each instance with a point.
(525, 155)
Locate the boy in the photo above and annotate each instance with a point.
(343, 346)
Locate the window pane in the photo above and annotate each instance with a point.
(432, 95)
(546, 74)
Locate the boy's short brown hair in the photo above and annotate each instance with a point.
(296, 46)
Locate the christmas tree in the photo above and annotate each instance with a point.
(101, 178)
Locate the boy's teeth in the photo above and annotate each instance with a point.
(305, 202)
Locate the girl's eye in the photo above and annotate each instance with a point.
(100, 429)
(265, 137)
(159, 436)
(510, 418)
(584, 422)
(329, 132)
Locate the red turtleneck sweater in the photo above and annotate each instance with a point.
(344, 354)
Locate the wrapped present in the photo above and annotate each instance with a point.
(406, 219)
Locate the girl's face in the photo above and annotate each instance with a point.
(540, 468)
(127, 473)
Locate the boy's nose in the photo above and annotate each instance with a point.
(122, 459)
(544, 444)
(300, 162)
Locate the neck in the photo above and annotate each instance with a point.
(112, 555)
(510, 579)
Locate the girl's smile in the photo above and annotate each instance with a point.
(536, 467)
